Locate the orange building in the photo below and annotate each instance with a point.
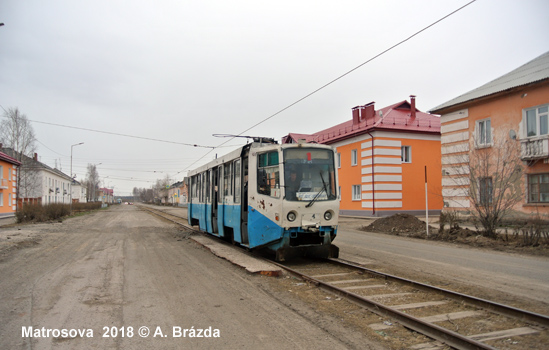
(384, 159)
(8, 185)
(512, 110)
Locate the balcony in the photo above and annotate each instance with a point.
(3, 184)
(534, 149)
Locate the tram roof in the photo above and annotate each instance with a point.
(233, 155)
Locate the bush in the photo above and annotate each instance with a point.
(78, 207)
(534, 234)
(40, 213)
(31, 212)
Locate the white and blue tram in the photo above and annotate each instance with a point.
(265, 195)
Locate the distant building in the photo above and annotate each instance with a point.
(78, 192)
(383, 158)
(513, 108)
(38, 183)
(8, 185)
(178, 193)
(105, 195)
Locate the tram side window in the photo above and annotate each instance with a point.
(237, 181)
(198, 188)
(268, 174)
(201, 183)
(193, 189)
(227, 180)
(220, 184)
(207, 186)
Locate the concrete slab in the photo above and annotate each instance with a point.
(239, 258)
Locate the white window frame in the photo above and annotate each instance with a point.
(356, 192)
(538, 115)
(406, 154)
(354, 157)
(483, 133)
(541, 188)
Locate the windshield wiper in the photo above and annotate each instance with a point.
(314, 198)
(319, 192)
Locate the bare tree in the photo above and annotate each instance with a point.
(16, 133)
(144, 194)
(160, 188)
(495, 177)
(489, 176)
(92, 182)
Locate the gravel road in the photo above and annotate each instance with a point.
(119, 268)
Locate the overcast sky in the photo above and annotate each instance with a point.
(181, 71)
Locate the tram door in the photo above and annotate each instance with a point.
(244, 206)
(215, 197)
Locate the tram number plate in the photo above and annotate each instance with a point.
(310, 219)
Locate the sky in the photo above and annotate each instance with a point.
(171, 74)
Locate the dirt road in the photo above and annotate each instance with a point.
(103, 277)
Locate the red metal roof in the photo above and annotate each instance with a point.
(108, 191)
(9, 159)
(397, 117)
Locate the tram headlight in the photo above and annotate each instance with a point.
(328, 215)
(291, 216)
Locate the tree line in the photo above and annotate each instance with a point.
(155, 194)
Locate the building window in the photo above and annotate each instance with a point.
(339, 160)
(354, 157)
(1, 199)
(538, 188)
(485, 190)
(484, 133)
(339, 193)
(537, 123)
(356, 192)
(406, 154)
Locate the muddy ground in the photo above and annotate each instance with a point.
(510, 240)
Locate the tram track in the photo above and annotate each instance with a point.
(421, 307)
(450, 318)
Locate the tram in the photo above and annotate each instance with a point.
(282, 198)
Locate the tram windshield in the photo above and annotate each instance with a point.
(309, 174)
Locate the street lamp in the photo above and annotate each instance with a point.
(72, 178)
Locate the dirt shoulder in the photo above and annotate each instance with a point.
(405, 225)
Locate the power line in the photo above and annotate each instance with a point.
(112, 133)
(124, 135)
(334, 80)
